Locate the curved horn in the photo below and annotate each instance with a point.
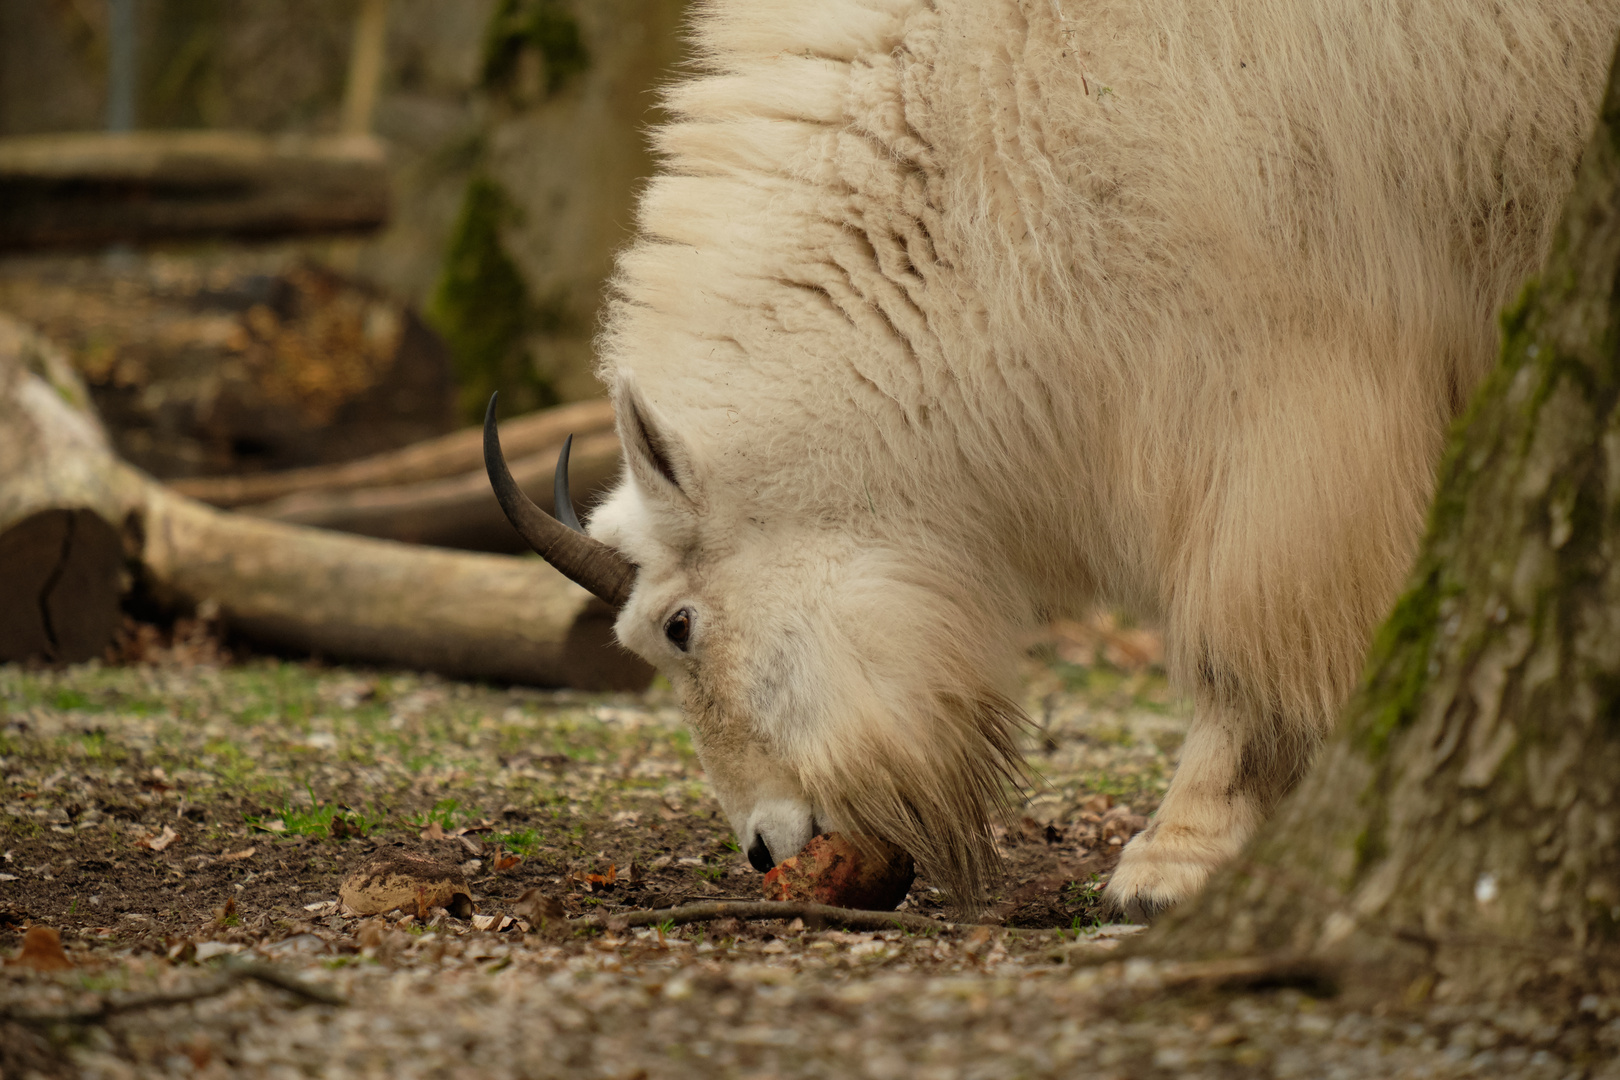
(562, 503)
(588, 562)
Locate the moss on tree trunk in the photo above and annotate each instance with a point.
(1463, 829)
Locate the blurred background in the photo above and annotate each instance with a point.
(280, 252)
(273, 234)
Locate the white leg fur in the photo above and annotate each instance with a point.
(1212, 808)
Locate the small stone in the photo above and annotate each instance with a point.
(207, 950)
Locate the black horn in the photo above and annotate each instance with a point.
(581, 559)
(562, 503)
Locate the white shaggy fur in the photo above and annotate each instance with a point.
(948, 315)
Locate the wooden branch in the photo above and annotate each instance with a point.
(450, 455)
(233, 974)
(93, 189)
(758, 910)
(365, 66)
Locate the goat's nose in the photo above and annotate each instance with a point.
(759, 856)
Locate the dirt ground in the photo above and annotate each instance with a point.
(171, 819)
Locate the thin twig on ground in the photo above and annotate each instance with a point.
(757, 910)
(219, 984)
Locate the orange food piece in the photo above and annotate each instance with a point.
(845, 871)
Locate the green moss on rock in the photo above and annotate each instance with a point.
(549, 29)
(481, 305)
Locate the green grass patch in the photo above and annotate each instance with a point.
(20, 828)
(521, 842)
(69, 698)
(445, 812)
(315, 820)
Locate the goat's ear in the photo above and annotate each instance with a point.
(657, 456)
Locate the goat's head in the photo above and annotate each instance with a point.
(832, 679)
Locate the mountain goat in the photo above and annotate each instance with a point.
(947, 316)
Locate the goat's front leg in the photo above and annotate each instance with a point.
(1234, 767)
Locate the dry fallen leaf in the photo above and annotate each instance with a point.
(160, 841)
(502, 861)
(224, 914)
(434, 831)
(1119, 824)
(42, 951)
(596, 882)
(1101, 638)
(200, 1051)
(1096, 804)
(238, 856)
(540, 910)
(371, 934)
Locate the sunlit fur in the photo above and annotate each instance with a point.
(946, 316)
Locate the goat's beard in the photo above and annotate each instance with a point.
(934, 782)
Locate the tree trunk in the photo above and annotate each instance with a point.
(1463, 826)
(77, 526)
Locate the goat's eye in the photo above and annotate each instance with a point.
(679, 629)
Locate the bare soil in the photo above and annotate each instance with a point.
(176, 815)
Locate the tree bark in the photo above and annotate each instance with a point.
(78, 528)
(1462, 829)
(88, 190)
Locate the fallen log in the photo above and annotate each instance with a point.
(455, 454)
(79, 529)
(91, 189)
(457, 512)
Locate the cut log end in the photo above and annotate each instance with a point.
(59, 595)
